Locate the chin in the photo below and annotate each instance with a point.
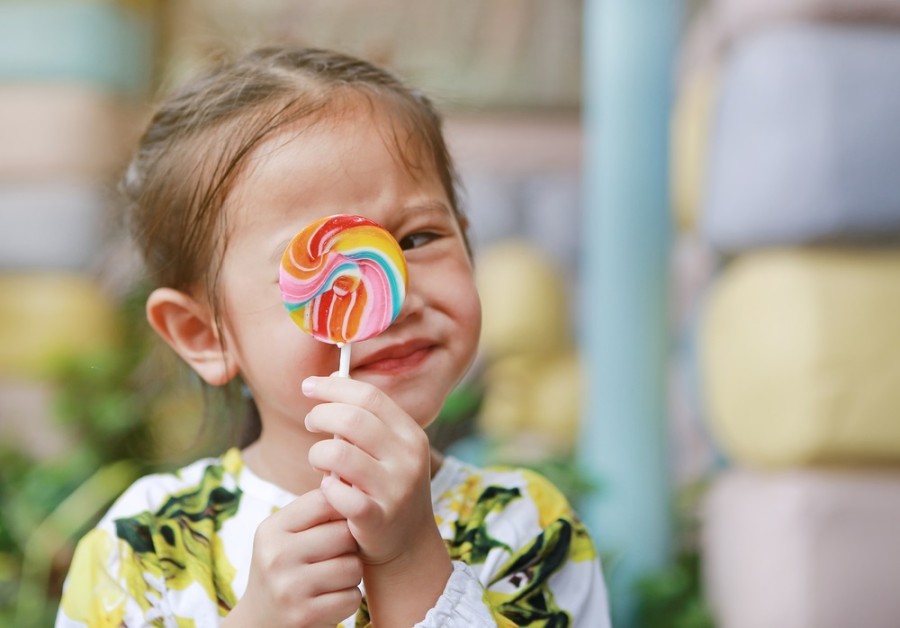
(424, 414)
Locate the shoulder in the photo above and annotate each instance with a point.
(204, 481)
(460, 483)
(161, 534)
(512, 503)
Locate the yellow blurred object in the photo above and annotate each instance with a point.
(801, 357)
(532, 377)
(692, 123)
(524, 302)
(49, 317)
(527, 394)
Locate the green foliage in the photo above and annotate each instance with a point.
(105, 402)
(673, 596)
(104, 398)
(456, 420)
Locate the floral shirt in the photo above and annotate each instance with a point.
(174, 550)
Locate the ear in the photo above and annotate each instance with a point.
(188, 326)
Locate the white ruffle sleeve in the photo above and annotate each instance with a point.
(461, 604)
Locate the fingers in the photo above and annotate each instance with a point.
(363, 415)
(356, 393)
(340, 604)
(353, 424)
(382, 460)
(326, 541)
(297, 593)
(305, 568)
(336, 574)
(275, 552)
(308, 510)
(353, 504)
(348, 461)
(350, 422)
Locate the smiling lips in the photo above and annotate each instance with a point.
(396, 358)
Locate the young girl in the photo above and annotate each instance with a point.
(230, 168)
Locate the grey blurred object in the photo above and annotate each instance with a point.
(50, 226)
(716, 24)
(738, 17)
(463, 53)
(804, 549)
(64, 131)
(806, 142)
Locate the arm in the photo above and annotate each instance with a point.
(401, 592)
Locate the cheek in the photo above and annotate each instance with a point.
(277, 363)
(476, 313)
(473, 321)
(271, 350)
(299, 355)
(467, 308)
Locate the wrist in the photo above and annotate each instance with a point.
(239, 616)
(400, 592)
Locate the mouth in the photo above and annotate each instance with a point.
(396, 358)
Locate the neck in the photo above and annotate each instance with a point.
(279, 456)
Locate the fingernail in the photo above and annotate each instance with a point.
(308, 386)
(306, 421)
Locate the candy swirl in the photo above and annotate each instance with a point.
(343, 279)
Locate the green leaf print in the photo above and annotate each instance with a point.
(529, 570)
(181, 540)
(472, 543)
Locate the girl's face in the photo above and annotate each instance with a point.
(346, 164)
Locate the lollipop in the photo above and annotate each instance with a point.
(343, 279)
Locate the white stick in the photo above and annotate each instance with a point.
(344, 370)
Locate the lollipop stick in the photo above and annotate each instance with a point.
(344, 370)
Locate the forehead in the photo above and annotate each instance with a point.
(404, 131)
(358, 150)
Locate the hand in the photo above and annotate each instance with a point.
(304, 570)
(383, 460)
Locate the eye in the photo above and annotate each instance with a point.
(415, 240)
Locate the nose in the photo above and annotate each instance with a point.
(412, 305)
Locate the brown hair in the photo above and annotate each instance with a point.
(189, 157)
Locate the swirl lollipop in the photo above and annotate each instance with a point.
(343, 279)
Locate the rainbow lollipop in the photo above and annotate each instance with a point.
(343, 279)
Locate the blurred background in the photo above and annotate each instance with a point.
(685, 217)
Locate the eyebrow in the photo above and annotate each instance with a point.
(429, 205)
